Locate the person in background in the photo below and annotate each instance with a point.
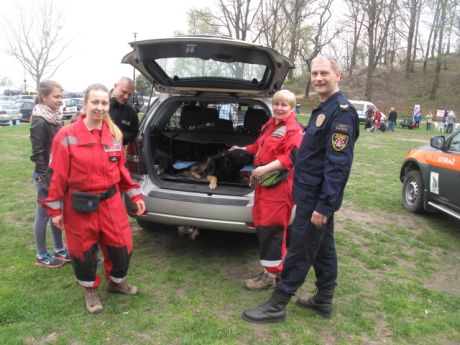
(321, 172)
(429, 120)
(122, 112)
(377, 119)
(392, 117)
(45, 122)
(274, 151)
(417, 119)
(451, 118)
(86, 175)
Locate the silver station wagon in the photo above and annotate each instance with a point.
(213, 93)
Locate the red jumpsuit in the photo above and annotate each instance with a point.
(273, 205)
(93, 162)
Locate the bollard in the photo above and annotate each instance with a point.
(10, 122)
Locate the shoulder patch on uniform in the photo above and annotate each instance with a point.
(279, 132)
(344, 106)
(339, 141)
(342, 127)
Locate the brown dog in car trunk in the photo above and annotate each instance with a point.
(224, 166)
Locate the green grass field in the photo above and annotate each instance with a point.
(399, 273)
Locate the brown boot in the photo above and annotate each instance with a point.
(122, 287)
(262, 281)
(93, 301)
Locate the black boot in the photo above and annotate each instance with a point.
(274, 310)
(321, 302)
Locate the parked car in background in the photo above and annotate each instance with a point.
(6, 98)
(78, 103)
(25, 107)
(9, 112)
(362, 107)
(197, 76)
(431, 176)
(68, 108)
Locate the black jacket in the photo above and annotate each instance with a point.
(125, 117)
(392, 116)
(41, 136)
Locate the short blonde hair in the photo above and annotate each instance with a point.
(284, 95)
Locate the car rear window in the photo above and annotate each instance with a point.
(189, 67)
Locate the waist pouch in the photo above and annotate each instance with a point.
(87, 202)
(273, 178)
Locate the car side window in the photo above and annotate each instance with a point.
(455, 143)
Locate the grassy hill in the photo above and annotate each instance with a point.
(391, 89)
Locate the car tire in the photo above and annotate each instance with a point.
(412, 191)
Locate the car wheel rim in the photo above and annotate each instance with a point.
(411, 192)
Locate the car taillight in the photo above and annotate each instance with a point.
(64, 109)
(2, 112)
(134, 163)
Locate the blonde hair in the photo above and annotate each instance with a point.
(284, 95)
(112, 126)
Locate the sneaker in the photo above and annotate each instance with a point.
(47, 260)
(122, 287)
(62, 255)
(262, 281)
(93, 301)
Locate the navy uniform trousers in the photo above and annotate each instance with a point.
(306, 244)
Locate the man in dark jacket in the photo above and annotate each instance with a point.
(122, 112)
(392, 116)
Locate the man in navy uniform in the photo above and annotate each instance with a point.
(321, 172)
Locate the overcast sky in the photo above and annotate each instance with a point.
(100, 31)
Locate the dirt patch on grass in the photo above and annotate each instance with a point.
(445, 280)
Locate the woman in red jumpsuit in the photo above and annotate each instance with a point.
(274, 149)
(87, 156)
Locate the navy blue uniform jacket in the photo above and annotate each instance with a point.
(324, 159)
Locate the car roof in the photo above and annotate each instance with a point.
(209, 63)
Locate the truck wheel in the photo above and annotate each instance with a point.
(412, 191)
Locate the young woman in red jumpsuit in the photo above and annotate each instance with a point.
(274, 149)
(88, 156)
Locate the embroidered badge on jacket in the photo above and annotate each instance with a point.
(320, 119)
(339, 141)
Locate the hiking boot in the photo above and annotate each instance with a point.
(62, 255)
(274, 310)
(262, 281)
(122, 287)
(321, 302)
(93, 301)
(47, 260)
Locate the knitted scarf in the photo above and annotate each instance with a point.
(49, 115)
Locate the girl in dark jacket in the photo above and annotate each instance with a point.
(46, 120)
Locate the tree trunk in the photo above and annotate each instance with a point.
(370, 32)
(442, 22)
(435, 21)
(410, 37)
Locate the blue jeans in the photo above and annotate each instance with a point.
(391, 126)
(41, 220)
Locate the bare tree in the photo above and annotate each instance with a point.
(442, 23)
(296, 11)
(35, 39)
(413, 7)
(357, 16)
(272, 25)
(432, 30)
(312, 45)
(236, 17)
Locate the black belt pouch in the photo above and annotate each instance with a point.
(84, 202)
